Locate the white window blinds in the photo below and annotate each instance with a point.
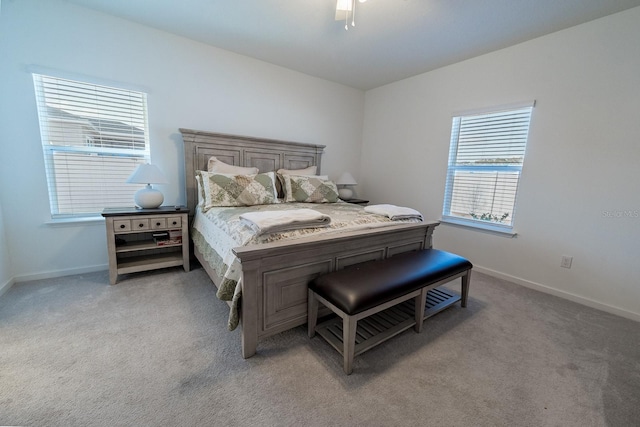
(485, 162)
(93, 137)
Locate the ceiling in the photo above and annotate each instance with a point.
(392, 39)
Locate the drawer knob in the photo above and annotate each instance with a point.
(121, 225)
(140, 225)
(175, 222)
(157, 224)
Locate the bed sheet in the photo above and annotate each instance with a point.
(216, 232)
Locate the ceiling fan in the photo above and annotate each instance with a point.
(346, 9)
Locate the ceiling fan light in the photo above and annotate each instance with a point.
(344, 5)
(346, 9)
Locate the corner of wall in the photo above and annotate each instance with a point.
(6, 286)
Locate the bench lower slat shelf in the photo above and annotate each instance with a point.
(438, 299)
(387, 323)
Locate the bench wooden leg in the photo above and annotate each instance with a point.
(421, 301)
(465, 288)
(312, 314)
(349, 325)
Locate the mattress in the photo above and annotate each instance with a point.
(216, 232)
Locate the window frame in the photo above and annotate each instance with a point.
(454, 166)
(107, 153)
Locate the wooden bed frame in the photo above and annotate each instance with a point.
(275, 275)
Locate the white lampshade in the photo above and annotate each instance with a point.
(147, 197)
(345, 180)
(147, 174)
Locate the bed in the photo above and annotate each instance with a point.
(274, 275)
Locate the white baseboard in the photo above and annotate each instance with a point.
(6, 286)
(562, 294)
(522, 282)
(60, 273)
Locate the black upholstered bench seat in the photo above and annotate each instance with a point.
(363, 292)
(363, 286)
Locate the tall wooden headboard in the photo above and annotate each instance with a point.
(265, 154)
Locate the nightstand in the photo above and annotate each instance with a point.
(358, 201)
(146, 239)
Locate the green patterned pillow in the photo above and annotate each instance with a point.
(310, 189)
(280, 185)
(237, 190)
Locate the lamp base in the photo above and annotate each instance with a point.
(148, 197)
(345, 193)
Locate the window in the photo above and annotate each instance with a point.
(93, 137)
(485, 162)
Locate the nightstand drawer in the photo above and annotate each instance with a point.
(121, 225)
(174, 221)
(158, 223)
(140, 224)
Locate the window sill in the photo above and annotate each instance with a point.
(88, 220)
(484, 228)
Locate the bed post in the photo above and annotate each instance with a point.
(428, 244)
(249, 309)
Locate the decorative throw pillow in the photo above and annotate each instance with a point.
(310, 189)
(238, 190)
(311, 170)
(217, 166)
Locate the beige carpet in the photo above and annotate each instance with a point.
(153, 350)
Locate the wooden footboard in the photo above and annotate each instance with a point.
(275, 275)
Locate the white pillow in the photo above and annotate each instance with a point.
(218, 166)
(311, 170)
(200, 190)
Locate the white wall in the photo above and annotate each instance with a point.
(5, 263)
(581, 162)
(190, 85)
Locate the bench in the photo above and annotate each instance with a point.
(377, 295)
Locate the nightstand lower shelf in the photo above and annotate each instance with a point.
(143, 245)
(149, 262)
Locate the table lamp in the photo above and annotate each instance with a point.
(147, 197)
(346, 180)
